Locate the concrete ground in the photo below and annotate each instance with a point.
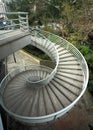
(22, 59)
(79, 118)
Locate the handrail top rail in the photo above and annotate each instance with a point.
(13, 12)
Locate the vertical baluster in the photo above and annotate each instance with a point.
(27, 24)
(20, 22)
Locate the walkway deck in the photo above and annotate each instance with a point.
(12, 41)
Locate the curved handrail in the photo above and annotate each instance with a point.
(18, 70)
(84, 66)
(73, 50)
(51, 76)
(13, 13)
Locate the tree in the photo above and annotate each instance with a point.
(19, 5)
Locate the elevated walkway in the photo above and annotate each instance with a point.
(14, 35)
(13, 41)
(38, 94)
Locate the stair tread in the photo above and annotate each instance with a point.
(69, 71)
(69, 81)
(69, 62)
(58, 94)
(48, 100)
(70, 76)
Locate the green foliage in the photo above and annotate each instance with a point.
(19, 5)
(49, 29)
(88, 54)
(28, 6)
(36, 52)
(85, 50)
(90, 86)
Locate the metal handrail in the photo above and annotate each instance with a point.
(56, 60)
(80, 58)
(18, 70)
(71, 49)
(13, 13)
(19, 22)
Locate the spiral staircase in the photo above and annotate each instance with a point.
(37, 93)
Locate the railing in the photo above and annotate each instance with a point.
(10, 76)
(12, 21)
(72, 49)
(37, 39)
(18, 70)
(54, 40)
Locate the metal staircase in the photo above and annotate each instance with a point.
(38, 94)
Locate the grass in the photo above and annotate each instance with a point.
(36, 52)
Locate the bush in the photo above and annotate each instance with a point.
(36, 52)
(90, 87)
(84, 50)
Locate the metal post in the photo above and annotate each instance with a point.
(20, 21)
(6, 66)
(14, 57)
(27, 22)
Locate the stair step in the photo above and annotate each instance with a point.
(57, 46)
(41, 104)
(54, 99)
(70, 95)
(48, 44)
(74, 90)
(71, 67)
(70, 76)
(65, 55)
(68, 58)
(69, 71)
(74, 62)
(61, 49)
(61, 93)
(63, 52)
(29, 103)
(48, 104)
(34, 105)
(69, 81)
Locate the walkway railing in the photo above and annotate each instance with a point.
(38, 41)
(12, 21)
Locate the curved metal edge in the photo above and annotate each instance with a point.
(46, 118)
(51, 117)
(67, 46)
(51, 76)
(22, 69)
